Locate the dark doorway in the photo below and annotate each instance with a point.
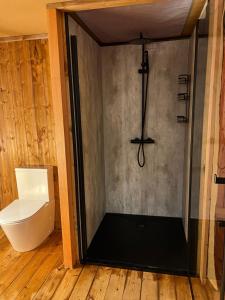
(146, 242)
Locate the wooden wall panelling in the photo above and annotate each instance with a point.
(8, 128)
(39, 96)
(49, 108)
(17, 80)
(11, 118)
(26, 115)
(29, 109)
(50, 128)
(23, 38)
(5, 186)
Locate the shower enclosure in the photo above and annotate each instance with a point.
(136, 214)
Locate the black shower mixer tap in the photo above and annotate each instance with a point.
(145, 64)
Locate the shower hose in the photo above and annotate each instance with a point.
(141, 149)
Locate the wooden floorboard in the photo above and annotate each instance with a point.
(199, 290)
(150, 286)
(183, 290)
(167, 288)
(132, 288)
(100, 284)
(84, 283)
(40, 275)
(116, 284)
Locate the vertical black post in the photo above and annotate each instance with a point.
(143, 88)
(72, 57)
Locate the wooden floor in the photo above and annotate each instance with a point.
(39, 274)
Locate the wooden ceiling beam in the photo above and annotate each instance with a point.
(193, 16)
(79, 5)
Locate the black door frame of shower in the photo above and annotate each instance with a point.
(72, 58)
(193, 223)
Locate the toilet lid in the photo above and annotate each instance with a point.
(20, 210)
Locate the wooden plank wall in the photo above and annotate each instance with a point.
(220, 205)
(26, 115)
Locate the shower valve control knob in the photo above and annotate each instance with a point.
(142, 141)
(144, 70)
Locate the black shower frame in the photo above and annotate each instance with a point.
(72, 59)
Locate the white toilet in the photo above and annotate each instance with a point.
(29, 220)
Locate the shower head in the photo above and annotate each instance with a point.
(141, 40)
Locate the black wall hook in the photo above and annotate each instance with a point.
(219, 180)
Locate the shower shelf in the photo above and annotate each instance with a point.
(183, 96)
(184, 79)
(182, 119)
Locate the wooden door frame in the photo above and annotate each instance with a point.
(63, 135)
(62, 113)
(212, 98)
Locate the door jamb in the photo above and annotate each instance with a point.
(62, 114)
(212, 95)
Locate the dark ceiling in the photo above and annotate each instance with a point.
(163, 19)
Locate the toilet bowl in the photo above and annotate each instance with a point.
(29, 220)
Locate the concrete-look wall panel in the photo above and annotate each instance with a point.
(157, 188)
(89, 65)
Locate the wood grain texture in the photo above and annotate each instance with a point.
(23, 37)
(63, 135)
(27, 136)
(220, 205)
(116, 285)
(198, 290)
(150, 286)
(100, 284)
(194, 14)
(183, 291)
(132, 288)
(67, 284)
(25, 274)
(84, 283)
(167, 290)
(40, 275)
(79, 5)
(210, 144)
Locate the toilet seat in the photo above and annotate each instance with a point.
(20, 210)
